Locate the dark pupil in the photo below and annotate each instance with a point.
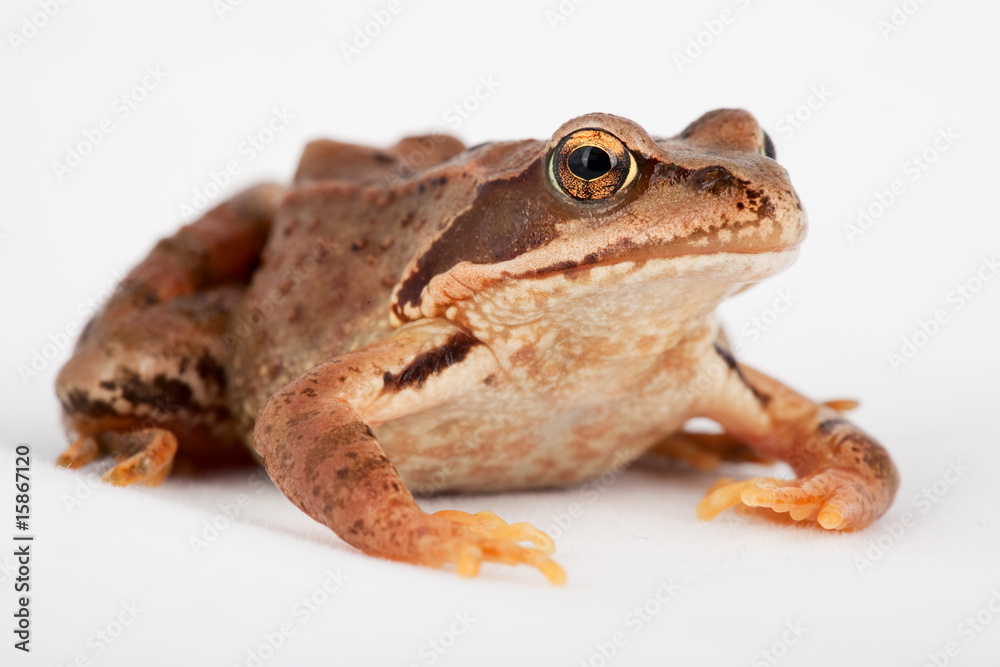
(590, 162)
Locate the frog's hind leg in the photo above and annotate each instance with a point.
(83, 450)
(147, 380)
(144, 457)
(705, 451)
(146, 383)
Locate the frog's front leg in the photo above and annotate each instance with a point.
(846, 479)
(316, 441)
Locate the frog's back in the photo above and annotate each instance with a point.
(337, 247)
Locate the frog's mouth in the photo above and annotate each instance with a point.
(666, 256)
(620, 296)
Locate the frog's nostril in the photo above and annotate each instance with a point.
(713, 179)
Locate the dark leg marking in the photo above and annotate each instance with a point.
(432, 362)
(827, 426)
(730, 360)
(866, 453)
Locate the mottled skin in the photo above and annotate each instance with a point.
(429, 318)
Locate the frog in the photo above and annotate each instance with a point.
(429, 318)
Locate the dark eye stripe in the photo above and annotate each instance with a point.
(500, 224)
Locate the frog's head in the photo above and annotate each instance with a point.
(602, 208)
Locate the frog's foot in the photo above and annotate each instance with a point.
(705, 451)
(486, 537)
(836, 499)
(147, 458)
(143, 457)
(84, 450)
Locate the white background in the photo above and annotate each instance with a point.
(742, 583)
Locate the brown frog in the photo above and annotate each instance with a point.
(432, 318)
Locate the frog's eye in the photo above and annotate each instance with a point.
(592, 164)
(767, 146)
